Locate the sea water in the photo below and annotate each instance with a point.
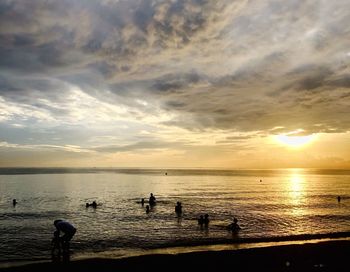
(269, 204)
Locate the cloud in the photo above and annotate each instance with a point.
(152, 65)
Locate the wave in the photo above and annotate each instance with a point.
(237, 240)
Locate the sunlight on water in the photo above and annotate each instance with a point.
(296, 188)
(267, 203)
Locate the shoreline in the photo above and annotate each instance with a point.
(325, 255)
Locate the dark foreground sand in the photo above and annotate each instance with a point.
(323, 256)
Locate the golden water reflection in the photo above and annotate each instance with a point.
(296, 191)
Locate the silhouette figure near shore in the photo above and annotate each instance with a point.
(56, 243)
(142, 202)
(178, 208)
(201, 220)
(152, 200)
(204, 220)
(60, 244)
(147, 209)
(339, 198)
(234, 225)
(14, 202)
(68, 232)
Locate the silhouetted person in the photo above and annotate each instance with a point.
(147, 208)
(234, 225)
(201, 220)
(68, 229)
(142, 202)
(339, 198)
(166, 173)
(178, 207)
(56, 242)
(152, 200)
(14, 202)
(93, 204)
(206, 220)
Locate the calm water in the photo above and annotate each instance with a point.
(284, 204)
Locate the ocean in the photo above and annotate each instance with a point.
(270, 205)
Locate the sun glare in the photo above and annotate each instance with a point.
(295, 141)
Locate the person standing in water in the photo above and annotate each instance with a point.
(178, 208)
(152, 200)
(234, 225)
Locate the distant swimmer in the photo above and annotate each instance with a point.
(261, 180)
(166, 173)
(142, 202)
(14, 202)
(93, 204)
(234, 225)
(339, 198)
(147, 209)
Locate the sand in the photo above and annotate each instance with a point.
(323, 256)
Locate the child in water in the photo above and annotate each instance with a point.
(56, 242)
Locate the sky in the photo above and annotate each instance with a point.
(175, 83)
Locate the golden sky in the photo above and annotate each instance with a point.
(175, 83)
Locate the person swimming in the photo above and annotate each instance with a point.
(93, 204)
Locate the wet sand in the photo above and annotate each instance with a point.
(323, 256)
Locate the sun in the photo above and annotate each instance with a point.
(295, 141)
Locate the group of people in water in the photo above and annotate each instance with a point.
(203, 220)
(151, 202)
(61, 243)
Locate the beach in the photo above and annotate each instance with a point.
(322, 256)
